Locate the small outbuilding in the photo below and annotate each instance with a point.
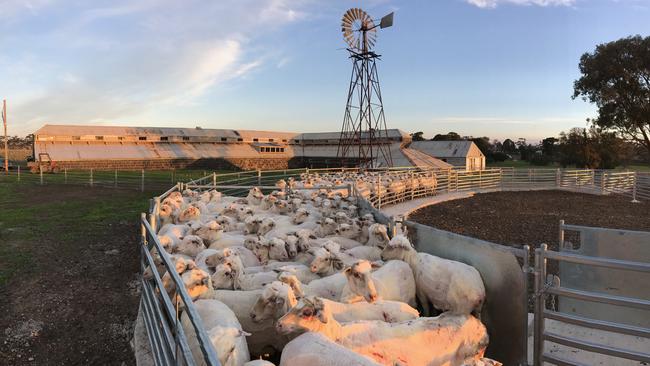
(463, 154)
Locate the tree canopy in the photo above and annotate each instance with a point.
(616, 77)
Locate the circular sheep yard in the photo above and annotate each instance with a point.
(532, 217)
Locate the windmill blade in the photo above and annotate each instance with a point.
(386, 21)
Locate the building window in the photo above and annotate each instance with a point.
(76, 138)
(164, 138)
(99, 138)
(270, 140)
(284, 140)
(120, 138)
(142, 138)
(256, 140)
(186, 138)
(296, 141)
(224, 139)
(240, 139)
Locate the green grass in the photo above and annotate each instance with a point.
(526, 165)
(71, 221)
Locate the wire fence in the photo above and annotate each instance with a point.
(128, 179)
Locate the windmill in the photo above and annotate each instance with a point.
(364, 123)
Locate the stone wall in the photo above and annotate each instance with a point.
(216, 164)
(164, 164)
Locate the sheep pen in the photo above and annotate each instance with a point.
(265, 268)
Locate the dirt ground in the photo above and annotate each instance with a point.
(519, 218)
(69, 287)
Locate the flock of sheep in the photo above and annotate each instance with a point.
(297, 276)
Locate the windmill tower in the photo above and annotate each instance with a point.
(363, 134)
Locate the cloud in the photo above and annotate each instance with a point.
(117, 60)
(488, 4)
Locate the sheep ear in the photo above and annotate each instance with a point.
(338, 264)
(321, 315)
(347, 271)
(375, 265)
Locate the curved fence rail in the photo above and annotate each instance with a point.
(382, 187)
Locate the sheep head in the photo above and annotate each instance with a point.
(360, 281)
(397, 248)
(276, 299)
(309, 314)
(189, 214)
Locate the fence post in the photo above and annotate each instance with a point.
(156, 214)
(634, 183)
(142, 182)
(143, 230)
(526, 270)
(19, 173)
(65, 175)
(412, 186)
(349, 190)
(40, 172)
(558, 180)
(561, 236)
(603, 178)
(91, 177)
(259, 177)
(538, 345)
(214, 179)
(115, 184)
(173, 170)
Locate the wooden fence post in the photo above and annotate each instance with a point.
(19, 173)
(65, 175)
(142, 182)
(214, 179)
(259, 177)
(40, 172)
(115, 185)
(91, 177)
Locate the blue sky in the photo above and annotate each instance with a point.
(497, 68)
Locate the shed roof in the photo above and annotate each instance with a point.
(446, 149)
(392, 132)
(76, 130)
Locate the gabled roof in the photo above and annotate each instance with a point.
(445, 149)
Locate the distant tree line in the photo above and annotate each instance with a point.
(15, 142)
(592, 148)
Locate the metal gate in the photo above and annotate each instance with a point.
(554, 287)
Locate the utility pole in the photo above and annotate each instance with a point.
(4, 122)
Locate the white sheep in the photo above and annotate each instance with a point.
(445, 284)
(314, 349)
(329, 287)
(224, 331)
(393, 281)
(444, 340)
(243, 305)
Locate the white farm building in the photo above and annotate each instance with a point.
(462, 154)
(109, 147)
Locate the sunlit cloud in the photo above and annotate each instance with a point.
(121, 59)
(495, 3)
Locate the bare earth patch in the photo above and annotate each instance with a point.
(74, 299)
(519, 218)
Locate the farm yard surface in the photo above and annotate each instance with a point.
(532, 217)
(69, 283)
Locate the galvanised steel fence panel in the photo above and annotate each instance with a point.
(544, 288)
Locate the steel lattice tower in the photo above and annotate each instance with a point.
(364, 136)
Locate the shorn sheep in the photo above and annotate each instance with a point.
(446, 285)
(303, 258)
(444, 340)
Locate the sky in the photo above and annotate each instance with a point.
(496, 68)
